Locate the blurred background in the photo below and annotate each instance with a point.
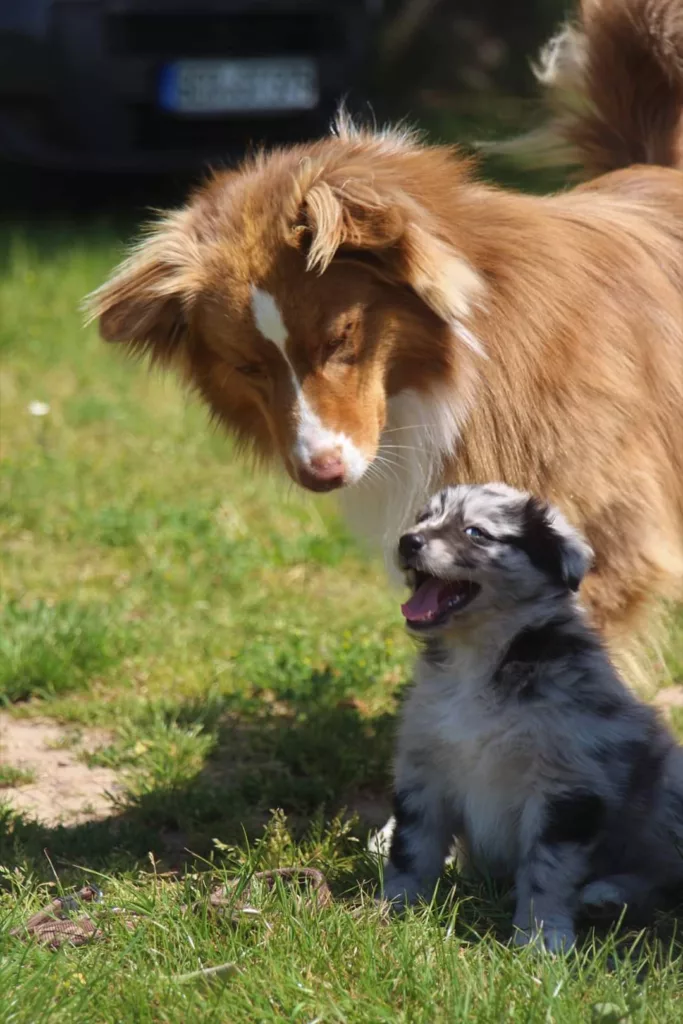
(121, 89)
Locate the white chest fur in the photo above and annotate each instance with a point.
(421, 432)
(480, 762)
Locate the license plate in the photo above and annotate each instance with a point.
(239, 86)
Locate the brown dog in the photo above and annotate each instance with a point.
(365, 310)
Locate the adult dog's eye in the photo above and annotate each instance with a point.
(336, 342)
(333, 345)
(476, 534)
(251, 370)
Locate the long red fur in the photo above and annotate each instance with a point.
(552, 325)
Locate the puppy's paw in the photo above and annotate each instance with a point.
(558, 940)
(390, 908)
(399, 890)
(603, 899)
(547, 939)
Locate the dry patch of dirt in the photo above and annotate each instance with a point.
(63, 789)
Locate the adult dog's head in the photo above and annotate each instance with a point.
(303, 291)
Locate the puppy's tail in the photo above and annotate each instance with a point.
(613, 82)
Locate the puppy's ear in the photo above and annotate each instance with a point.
(576, 554)
(352, 213)
(553, 545)
(147, 301)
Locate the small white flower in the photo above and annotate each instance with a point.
(38, 408)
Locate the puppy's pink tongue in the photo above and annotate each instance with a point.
(424, 604)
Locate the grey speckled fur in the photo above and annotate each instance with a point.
(519, 739)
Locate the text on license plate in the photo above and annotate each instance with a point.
(232, 86)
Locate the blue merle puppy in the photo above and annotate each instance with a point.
(519, 740)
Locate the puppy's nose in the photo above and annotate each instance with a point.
(411, 544)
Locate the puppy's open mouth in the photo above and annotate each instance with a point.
(434, 601)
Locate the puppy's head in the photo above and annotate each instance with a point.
(482, 549)
(295, 294)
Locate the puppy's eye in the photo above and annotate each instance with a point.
(477, 534)
(251, 370)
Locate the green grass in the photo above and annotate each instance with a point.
(10, 776)
(244, 657)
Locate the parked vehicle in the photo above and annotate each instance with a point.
(156, 85)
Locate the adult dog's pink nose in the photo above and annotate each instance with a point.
(325, 471)
(327, 465)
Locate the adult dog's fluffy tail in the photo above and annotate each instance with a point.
(614, 85)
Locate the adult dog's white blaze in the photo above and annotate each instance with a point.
(268, 319)
(313, 437)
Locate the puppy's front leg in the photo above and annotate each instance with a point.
(550, 875)
(422, 834)
(544, 917)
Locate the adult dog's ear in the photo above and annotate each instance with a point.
(146, 303)
(350, 214)
(356, 211)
